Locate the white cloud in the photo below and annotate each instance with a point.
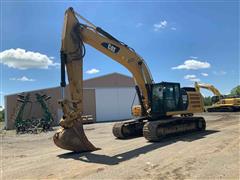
(92, 71)
(193, 57)
(23, 78)
(219, 73)
(193, 64)
(204, 74)
(139, 25)
(22, 59)
(191, 77)
(161, 25)
(173, 28)
(195, 80)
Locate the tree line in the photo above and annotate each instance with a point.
(2, 115)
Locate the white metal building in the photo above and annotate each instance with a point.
(106, 98)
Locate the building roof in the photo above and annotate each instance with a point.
(109, 80)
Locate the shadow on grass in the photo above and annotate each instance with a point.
(113, 160)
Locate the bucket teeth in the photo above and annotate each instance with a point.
(73, 139)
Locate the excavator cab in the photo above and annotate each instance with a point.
(166, 97)
(215, 99)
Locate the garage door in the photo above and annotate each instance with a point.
(114, 104)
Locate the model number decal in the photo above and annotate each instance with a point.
(111, 47)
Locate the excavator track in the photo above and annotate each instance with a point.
(157, 130)
(224, 109)
(128, 129)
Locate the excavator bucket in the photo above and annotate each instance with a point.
(73, 139)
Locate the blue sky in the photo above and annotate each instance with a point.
(204, 35)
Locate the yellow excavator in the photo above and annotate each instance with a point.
(166, 109)
(220, 102)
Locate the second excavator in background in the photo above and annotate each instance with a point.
(165, 108)
(220, 103)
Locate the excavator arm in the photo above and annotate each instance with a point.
(74, 36)
(209, 87)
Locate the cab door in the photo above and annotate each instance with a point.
(157, 101)
(172, 97)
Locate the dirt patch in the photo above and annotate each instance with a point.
(212, 154)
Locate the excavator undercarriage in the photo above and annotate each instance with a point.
(159, 129)
(74, 138)
(129, 129)
(222, 108)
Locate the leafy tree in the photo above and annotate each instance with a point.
(2, 115)
(207, 101)
(235, 91)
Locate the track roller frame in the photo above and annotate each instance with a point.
(157, 130)
(129, 129)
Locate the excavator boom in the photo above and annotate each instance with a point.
(209, 87)
(74, 35)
